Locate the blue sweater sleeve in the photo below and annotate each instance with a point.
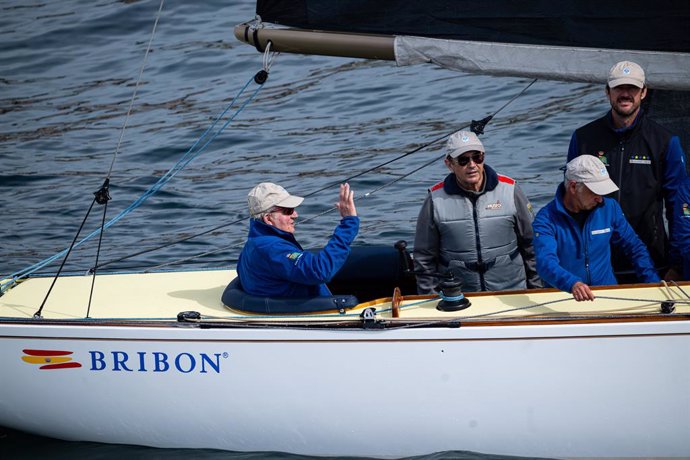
(681, 219)
(317, 268)
(625, 237)
(674, 176)
(546, 251)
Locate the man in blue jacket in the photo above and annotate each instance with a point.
(272, 262)
(644, 160)
(573, 233)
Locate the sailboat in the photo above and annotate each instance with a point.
(160, 358)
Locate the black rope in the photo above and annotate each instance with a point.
(257, 45)
(57, 275)
(102, 197)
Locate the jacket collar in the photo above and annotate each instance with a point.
(451, 187)
(560, 206)
(258, 228)
(627, 129)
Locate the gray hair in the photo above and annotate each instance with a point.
(578, 184)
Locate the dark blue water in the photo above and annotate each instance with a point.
(68, 70)
(15, 445)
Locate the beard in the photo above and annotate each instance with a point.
(627, 111)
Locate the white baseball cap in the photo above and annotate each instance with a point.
(266, 195)
(589, 170)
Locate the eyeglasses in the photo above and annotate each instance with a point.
(284, 211)
(478, 158)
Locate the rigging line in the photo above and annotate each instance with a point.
(195, 256)
(268, 59)
(434, 141)
(516, 96)
(98, 252)
(486, 314)
(680, 289)
(377, 189)
(184, 161)
(136, 87)
(168, 244)
(386, 163)
(652, 301)
(68, 251)
(267, 63)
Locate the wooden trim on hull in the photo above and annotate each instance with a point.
(385, 324)
(365, 46)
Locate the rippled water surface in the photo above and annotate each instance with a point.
(68, 72)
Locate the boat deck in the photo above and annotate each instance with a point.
(161, 296)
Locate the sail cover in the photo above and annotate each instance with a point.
(663, 70)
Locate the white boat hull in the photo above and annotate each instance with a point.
(551, 390)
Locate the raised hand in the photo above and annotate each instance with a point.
(346, 205)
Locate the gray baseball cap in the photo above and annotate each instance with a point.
(463, 141)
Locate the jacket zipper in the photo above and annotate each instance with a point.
(620, 170)
(586, 249)
(480, 261)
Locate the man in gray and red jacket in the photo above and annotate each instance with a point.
(475, 223)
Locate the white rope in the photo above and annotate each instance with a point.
(136, 87)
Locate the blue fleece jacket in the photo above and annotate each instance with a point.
(567, 253)
(273, 264)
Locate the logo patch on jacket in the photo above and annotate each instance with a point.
(601, 231)
(294, 256)
(602, 157)
(686, 210)
(640, 160)
(494, 206)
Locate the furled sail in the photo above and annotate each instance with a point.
(576, 40)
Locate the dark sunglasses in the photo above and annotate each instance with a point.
(284, 211)
(478, 158)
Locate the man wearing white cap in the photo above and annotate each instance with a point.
(476, 224)
(272, 262)
(644, 160)
(574, 232)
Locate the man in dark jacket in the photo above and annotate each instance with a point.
(573, 233)
(477, 224)
(272, 262)
(644, 160)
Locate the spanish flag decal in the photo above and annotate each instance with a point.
(50, 359)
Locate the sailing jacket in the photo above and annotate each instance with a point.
(485, 238)
(273, 264)
(647, 163)
(681, 217)
(567, 253)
